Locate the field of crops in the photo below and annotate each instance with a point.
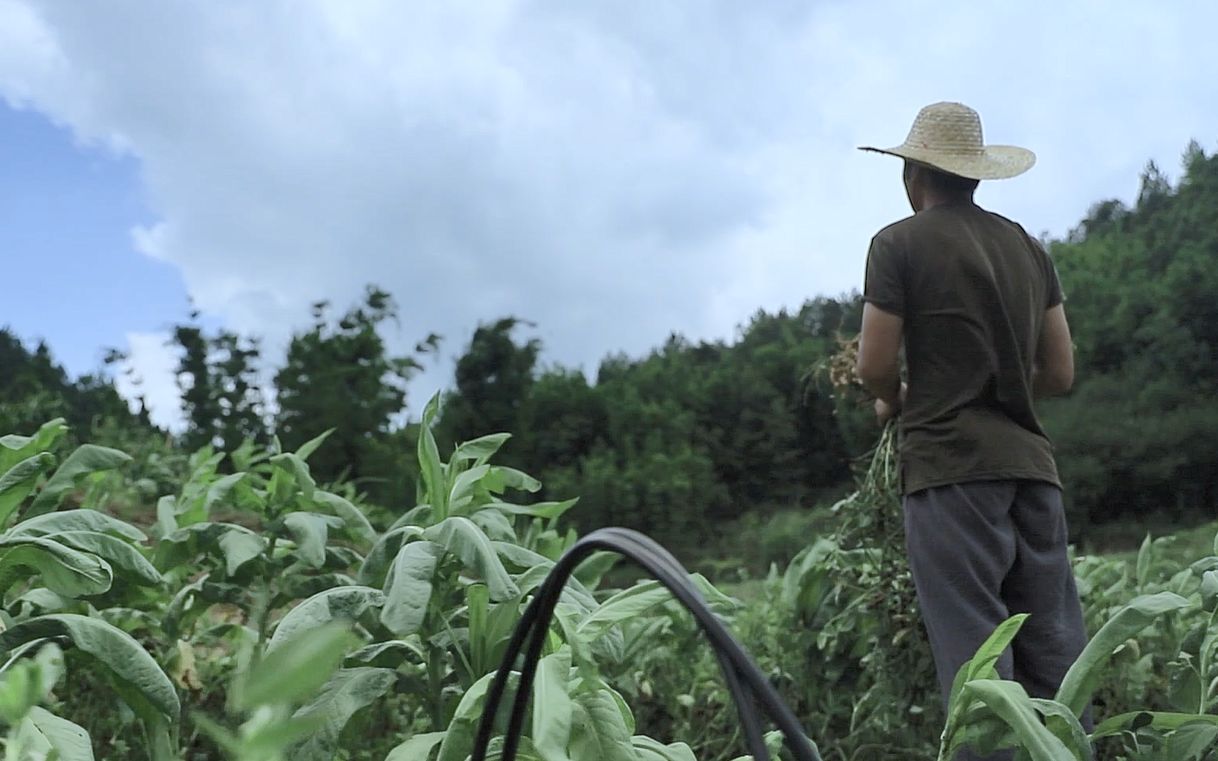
(260, 615)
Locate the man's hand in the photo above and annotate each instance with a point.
(885, 411)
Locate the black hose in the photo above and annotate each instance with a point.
(746, 683)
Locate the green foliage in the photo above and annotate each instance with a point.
(217, 377)
(1137, 433)
(339, 377)
(33, 389)
(294, 629)
(494, 378)
(56, 568)
(674, 444)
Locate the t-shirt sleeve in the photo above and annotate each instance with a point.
(885, 280)
(1053, 285)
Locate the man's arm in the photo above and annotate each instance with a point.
(879, 364)
(1053, 369)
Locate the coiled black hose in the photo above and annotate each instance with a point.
(746, 683)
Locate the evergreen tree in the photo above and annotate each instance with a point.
(339, 375)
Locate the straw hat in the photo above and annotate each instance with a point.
(947, 136)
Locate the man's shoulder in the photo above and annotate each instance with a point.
(1008, 222)
(898, 229)
(933, 220)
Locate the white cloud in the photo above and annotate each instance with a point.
(152, 362)
(610, 175)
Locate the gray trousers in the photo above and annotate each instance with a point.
(981, 552)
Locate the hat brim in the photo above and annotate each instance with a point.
(995, 162)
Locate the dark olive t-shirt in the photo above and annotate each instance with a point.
(973, 289)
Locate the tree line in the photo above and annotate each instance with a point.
(696, 433)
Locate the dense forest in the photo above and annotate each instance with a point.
(692, 437)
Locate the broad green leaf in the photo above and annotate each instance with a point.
(1011, 703)
(122, 556)
(265, 739)
(524, 752)
(310, 446)
(236, 544)
(652, 750)
(458, 740)
(1084, 675)
(464, 486)
(408, 587)
(14, 449)
(809, 562)
(1204, 564)
(593, 570)
(340, 603)
(64, 570)
(623, 606)
(166, 516)
(389, 654)
(491, 627)
(355, 523)
(77, 520)
(1160, 720)
(41, 599)
(239, 546)
(185, 607)
(346, 692)
(430, 466)
(495, 525)
(311, 531)
(340, 557)
(218, 490)
(29, 681)
(298, 470)
(982, 731)
(86, 460)
(544, 510)
(1143, 563)
(136, 676)
(417, 516)
(480, 449)
(1191, 742)
(598, 730)
(552, 706)
(27, 743)
(980, 666)
(1209, 591)
(1066, 726)
(520, 557)
(70, 741)
(715, 599)
(298, 586)
(628, 716)
(19, 480)
(463, 538)
(295, 669)
(499, 479)
(573, 593)
(417, 748)
(376, 563)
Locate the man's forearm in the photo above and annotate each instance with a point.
(886, 387)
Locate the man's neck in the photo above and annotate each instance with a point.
(932, 200)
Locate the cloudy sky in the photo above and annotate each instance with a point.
(612, 171)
